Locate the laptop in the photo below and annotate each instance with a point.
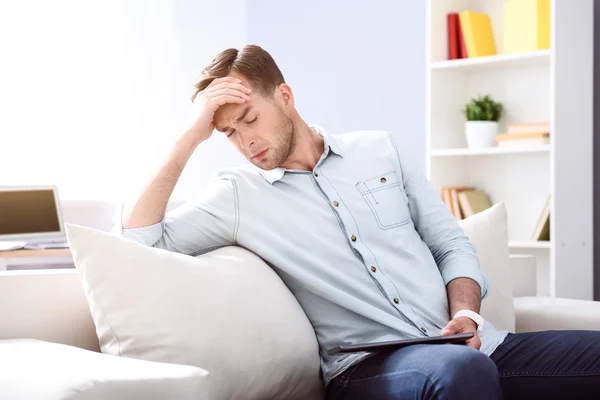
(31, 218)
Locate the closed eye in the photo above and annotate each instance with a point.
(251, 122)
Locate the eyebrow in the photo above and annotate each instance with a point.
(238, 119)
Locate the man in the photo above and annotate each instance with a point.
(362, 240)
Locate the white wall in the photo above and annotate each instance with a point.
(353, 64)
(93, 93)
(204, 29)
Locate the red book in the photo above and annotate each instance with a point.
(461, 42)
(453, 43)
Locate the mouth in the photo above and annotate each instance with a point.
(260, 155)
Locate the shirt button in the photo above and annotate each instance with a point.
(396, 300)
(373, 269)
(316, 174)
(353, 238)
(335, 203)
(383, 180)
(424, 330)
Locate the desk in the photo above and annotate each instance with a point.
(36, 259)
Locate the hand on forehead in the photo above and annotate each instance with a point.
(230, 114)
(243, 79)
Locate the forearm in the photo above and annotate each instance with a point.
(150, 206)
(463, 294)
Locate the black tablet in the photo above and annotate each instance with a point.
(396, 344)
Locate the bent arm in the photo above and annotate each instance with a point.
(452, 250)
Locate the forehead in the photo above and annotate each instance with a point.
(228, 113)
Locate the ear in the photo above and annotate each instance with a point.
(286, 95)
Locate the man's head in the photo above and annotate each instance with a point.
(267, 120)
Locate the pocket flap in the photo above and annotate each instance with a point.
(380, 182)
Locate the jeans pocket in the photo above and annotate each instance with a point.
(384, 196)
(345, 376)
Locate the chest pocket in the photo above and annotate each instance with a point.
(384, 197)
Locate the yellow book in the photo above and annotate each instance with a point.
(526, 25)
(477, 34)
(473, 202)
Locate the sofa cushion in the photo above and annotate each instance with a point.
(32, 369)
(46, 304)
(487, 231)
(538, 313)
(225, 311)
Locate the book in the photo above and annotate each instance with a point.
(530, 139)
(523, 143)
(526, 25)
(461, 42)
(521, 136)
(528, 127)
(453, 44)
(473, 201)
(542, 228)
(450, 198)
(477, 33)
(455, 206)
(446, 197)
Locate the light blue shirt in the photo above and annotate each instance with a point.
(363, 241)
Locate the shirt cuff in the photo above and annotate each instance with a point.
(147, 235)
(464, 268)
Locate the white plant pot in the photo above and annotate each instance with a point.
(481, 134)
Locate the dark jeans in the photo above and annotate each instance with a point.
(533, 365)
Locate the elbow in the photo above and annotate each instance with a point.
(459, 246)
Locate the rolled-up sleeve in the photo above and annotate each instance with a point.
(453, 252)
(199, 225)
(147, 235)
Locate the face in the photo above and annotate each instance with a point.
(261, 129)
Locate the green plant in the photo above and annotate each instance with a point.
(483, 109)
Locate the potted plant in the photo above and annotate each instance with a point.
(482, 115)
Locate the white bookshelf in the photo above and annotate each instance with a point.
(529, 244)
(548, 85)
(540, 58)
(460, 152)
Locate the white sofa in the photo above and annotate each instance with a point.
(50, 305)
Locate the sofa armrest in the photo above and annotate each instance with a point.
(523, 273)
(47, 305)
(548, 313)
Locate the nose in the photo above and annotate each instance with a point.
(247, 141)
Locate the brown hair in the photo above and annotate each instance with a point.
(252, 62)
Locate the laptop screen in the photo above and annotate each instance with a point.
(28, 211)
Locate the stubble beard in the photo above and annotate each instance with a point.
(286, 142)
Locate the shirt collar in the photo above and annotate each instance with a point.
(331, 143)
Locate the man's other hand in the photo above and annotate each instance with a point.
(463, 325)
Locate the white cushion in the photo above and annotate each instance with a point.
(32, 369)
(46, 304)
(226, 311)
(487, 231)
(537, 313)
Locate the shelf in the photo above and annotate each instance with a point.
(528, 59)
(529, 244)
(36, 253)
(459, 152)
(539, 85)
